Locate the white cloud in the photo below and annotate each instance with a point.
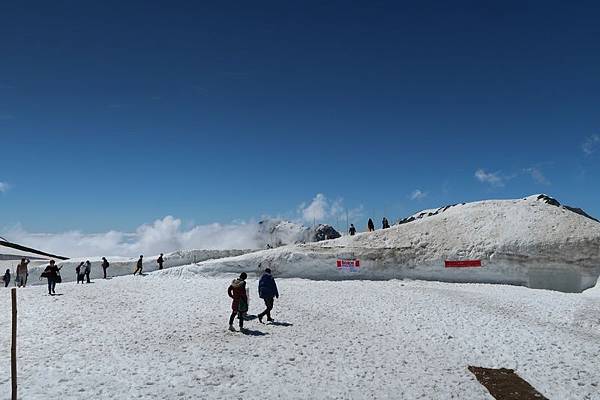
(417, 194)
(537, 175)
(491, 178)
(322, 209)
(4, 187)
(318, 209)
(591, 144)
(163, 235)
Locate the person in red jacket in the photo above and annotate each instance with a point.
(239, 305)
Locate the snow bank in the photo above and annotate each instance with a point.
(593, 292)
(521, 242)
(121, 265)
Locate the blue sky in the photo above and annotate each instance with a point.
(113, 115)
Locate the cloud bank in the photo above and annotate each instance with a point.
(163, 235)
(168, 234)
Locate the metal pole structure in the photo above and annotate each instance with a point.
(347, 226)
(13, 347)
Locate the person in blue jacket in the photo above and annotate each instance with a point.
(267, 290)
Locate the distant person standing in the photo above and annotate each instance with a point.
(370, 225)
(384, 223)
(105, 265)
(239, 304)
(160, 261)
(80, 274)
(51, 273)
(267, 290)
(139, 266)
(88, 269)
(22, 272)
(6, 278)
(352, 230)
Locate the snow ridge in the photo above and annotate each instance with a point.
(525, 242)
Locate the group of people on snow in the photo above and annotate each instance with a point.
(267, 290)
(370, 226)
(21, 274)
(52, 272)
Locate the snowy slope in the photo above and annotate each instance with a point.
(159, 338)
(523, 242)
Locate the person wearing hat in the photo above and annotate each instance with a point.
(267, 290)
(239, 304)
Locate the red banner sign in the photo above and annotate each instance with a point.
(463, 263)
(351, 265)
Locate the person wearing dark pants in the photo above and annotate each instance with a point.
(267, 290)
(80, 273)
(160, 261)
(239, 304)
(51, 273)
(88, 269)
(22, 272)
(105, 265)
(6, 278)
(139, 266)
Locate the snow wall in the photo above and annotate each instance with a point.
(520, 242)
(119, 265)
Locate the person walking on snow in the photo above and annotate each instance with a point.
(239, 304)
(267, 289)
(6, 278)
(139, 265)
(160, 261)
(88, 269)
(80, 273)
(51, 273)
(105, 265)
(370, 225)
(22, 272)
(352, 230)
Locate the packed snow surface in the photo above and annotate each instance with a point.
(522, 242)
(156, 337)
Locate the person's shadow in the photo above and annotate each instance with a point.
(276, 323)
(251, 332)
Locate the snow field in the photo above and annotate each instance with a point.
(156, 337)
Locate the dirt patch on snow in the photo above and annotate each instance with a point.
(504, 384)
